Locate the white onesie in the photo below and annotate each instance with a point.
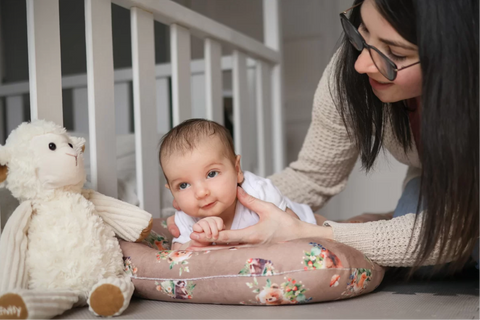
(257, 187)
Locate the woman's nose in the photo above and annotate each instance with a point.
(364, 63)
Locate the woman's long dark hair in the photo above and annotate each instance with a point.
(446, 33)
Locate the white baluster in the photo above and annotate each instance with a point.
(43, 29)
(264, 119)
(101, 108)
(145, 111)
(213, 81)
(249, 113)
(180, 57)
(273, 39)
(240, 103)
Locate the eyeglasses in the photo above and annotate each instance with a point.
(387, 67)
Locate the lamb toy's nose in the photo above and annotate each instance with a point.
(76, 158)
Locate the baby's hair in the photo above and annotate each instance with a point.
(185, 136)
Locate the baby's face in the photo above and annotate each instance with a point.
(203, 181)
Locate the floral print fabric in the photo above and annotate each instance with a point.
(292, 272)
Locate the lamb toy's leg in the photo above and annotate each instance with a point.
(30, 304)
(111, 296)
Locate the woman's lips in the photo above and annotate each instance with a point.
(379, 85)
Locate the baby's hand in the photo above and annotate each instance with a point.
(210, 226)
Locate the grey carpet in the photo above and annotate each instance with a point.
(452, 298)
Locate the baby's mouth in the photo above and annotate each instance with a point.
(208, 206)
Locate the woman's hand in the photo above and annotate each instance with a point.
(171, 226)
(275, 225)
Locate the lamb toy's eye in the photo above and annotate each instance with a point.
(52, 146)
(70, 145)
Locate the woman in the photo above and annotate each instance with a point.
(405, 79)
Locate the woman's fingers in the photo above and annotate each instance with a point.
(258, 206)
(208, 247)
(172, 227)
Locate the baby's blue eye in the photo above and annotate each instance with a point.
(183, 186)
(212, 174)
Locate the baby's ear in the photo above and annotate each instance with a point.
(238, 168)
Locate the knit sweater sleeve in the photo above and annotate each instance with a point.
(386, 242)
(328, 155)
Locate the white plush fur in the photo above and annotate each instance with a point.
(69, 245)
(73, 250)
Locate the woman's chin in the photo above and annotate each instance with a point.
(385, 98)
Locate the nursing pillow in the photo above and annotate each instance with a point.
(291, 272)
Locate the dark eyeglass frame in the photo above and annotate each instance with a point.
(392, 75)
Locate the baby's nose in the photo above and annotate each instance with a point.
(202, 192)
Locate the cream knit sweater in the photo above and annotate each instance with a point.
(324, 163)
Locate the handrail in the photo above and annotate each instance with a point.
(169, 12)
(120, 75)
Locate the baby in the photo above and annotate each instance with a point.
(203, 171)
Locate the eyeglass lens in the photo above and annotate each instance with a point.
(385, 68)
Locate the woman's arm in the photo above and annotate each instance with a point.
(385, 242)
(328, 155)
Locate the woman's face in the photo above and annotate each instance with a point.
(379, 33)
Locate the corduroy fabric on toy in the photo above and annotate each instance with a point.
(59, 248)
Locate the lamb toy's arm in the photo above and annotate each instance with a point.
(13, 249)
(128, 221)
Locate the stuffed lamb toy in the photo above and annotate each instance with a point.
(59, 249)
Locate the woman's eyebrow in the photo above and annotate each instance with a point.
(386, 41)
(397, 44)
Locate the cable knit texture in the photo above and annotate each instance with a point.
(386, 242)
(325, 161)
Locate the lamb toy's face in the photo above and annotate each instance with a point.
(39, 158)
(58, 160)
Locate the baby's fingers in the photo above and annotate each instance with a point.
(203, 226)
(219, 223)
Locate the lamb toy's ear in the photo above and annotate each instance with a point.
(79, 143)
(3, 163)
